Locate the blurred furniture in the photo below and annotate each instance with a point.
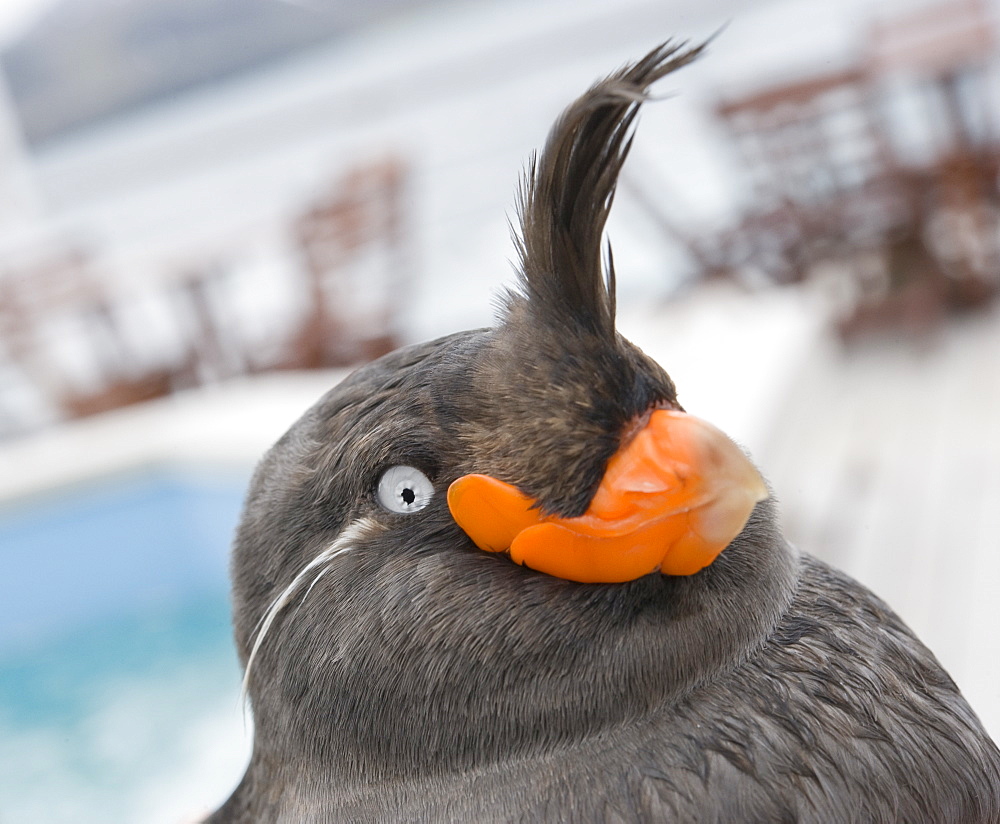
(353, 245)
(59, 328)
(886, 170)
(65, 327)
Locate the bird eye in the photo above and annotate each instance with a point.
(404, 489)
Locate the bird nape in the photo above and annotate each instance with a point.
(637, 642)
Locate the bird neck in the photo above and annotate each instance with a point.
(471, 666)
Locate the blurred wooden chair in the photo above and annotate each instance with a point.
(60, 329)
(354, 250)
(837, 178)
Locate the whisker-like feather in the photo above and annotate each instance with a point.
(344, 542)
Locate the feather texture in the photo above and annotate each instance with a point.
(420, 679)
(567, 192)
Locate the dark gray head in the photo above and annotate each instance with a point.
(387, 644)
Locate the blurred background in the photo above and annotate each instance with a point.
(209, 210)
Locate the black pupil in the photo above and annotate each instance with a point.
(409, 496)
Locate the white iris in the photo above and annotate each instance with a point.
(404, 489)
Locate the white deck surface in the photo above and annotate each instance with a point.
(886, 461)
(230, 424)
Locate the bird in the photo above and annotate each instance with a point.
(505, 576)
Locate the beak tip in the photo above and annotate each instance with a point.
(692, 520)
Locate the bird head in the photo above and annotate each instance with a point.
(583, 463)
(364, 600)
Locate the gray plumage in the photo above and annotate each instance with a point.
(413, 677)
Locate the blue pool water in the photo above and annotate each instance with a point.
(119, 684)
(112, 547)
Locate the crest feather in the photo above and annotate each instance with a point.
(566, 195)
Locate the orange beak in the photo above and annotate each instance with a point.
(672, 498)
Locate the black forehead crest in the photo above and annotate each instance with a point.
(546, 403)
(566, 195)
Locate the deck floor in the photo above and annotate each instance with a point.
(886, 463)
